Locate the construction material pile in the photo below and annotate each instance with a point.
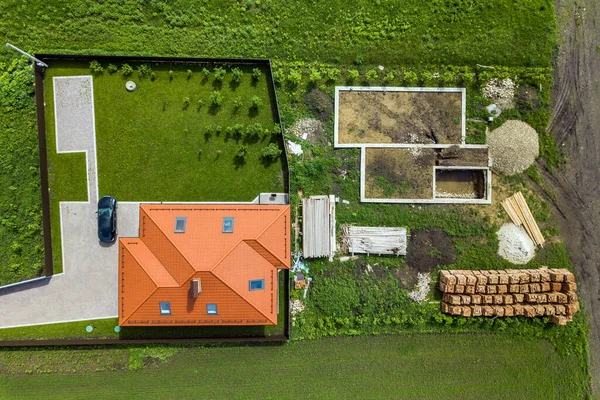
(374, 240)
(512, 292)
(517, 209)
(513, 147)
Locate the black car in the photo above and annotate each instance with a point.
(107, 219)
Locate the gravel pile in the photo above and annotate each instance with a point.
(501, 91)
(514, 146)
(515, 244)
(307, 129)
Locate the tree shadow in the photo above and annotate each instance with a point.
(217, 84)
(253, 112)
(239, 162)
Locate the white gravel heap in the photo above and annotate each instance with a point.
(515, 244)
(514, 146)
(501, 91)
(306, 128)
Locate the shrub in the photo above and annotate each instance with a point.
(216, 98)
(112, 68)
(359, 60)
(126, 70)
(253, 130)
(144, 70)
(205, 72)
(410, 78)
(278, 76)
(242, 151)
(256, 102)
(353, 75)
(333, 74)
(171, 75)
(256, 73)
(152, 76)
(199, 104)
(276, 130)
(165, 103)
(237, 103)
(294, 77)
(315, 76)
(236, 74)
(189, 73)
(219, 73)
(389, 77)
(96, 67)
(186, 102)
(372, 75)
(271, 152)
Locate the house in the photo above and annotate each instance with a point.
(204, 264)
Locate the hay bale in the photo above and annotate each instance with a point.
(519, 297)
(531, 297)
(465, 299)
(445, 275)
(509, 311)
(502, 289)
(471, 279)
(535, 276)
(498, 299)
(476, 299)
(560, 309)
(445, 307)
(545, 287)
(469, 289)
(461, 279)
(569, 277)
(451, 299)
(539, 310)
(508, 299)
(482, 279)
(519, 309)
(524, 278)
(513, 278)
(459, 289)
(562, 298)
(572, 308)
(493, 279)
(544, 275)
(487, 299)
(534, 288)
(552, 298)
(480, 289)
(558, 320)
(513, 288)
(492, 289)
(476, 311)
(466, 311)
(499, 311)
(572, 297)
(529, 311)
(455, 310)
(555, 287)
(524, 288)
(569, 287)
(542, 298)
(556, 275)
(550, 310)
(487, 311)
(503, 278)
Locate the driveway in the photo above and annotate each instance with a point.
(87, 289)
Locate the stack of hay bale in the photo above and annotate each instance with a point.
(511, 292)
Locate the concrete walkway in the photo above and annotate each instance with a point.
(87, 289)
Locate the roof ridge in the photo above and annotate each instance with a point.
(220, 260)
(242, 297)
(174, 245)
(141, 304)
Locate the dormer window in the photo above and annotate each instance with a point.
(228, 225)
(180, 224)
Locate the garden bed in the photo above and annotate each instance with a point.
(399, 116)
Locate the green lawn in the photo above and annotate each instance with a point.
(151, 146)
(408, 367)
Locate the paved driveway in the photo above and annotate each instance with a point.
(87, 289)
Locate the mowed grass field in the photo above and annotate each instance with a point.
(385, 367)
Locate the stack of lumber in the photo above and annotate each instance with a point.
(511, 292)
(318, 227)
(374, 240)
(517, 209)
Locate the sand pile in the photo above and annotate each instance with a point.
(515, 244)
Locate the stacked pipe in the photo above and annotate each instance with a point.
(513, 292)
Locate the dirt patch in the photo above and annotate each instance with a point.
(320, 103)
(407, 276)
(463, 157)
(429, 248)
(309, 129)
(399, 117)
(398, 173)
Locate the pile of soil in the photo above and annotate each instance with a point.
(514, 146)
(515, 244)
(429, 248)
(320, 103)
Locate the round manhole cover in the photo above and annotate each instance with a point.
(130, 86)
(89, 328)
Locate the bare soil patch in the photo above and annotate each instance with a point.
(463, 157)
(320, 103)
(399, 173)
(429, 248)
(399, 117)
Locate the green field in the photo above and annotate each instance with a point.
(408, 367)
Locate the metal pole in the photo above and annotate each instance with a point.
(39, 63)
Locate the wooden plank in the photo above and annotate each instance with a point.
(535, 234)
(507, 205)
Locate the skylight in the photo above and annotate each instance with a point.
(228, 225)
(211, 309)
(165, 308)
(257, 284)
(180, 224)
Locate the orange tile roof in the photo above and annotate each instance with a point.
(160, 265)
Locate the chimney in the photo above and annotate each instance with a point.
(195, 288)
